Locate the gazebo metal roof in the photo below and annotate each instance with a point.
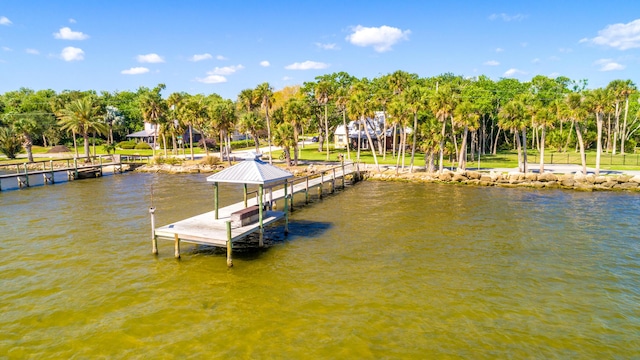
(251, 171)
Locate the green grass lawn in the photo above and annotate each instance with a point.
(310, 152)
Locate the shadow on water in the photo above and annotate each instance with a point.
(249, 248)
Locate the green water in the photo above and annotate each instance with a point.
(380, 270)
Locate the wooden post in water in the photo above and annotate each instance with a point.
(100, 157)
(333, 181)
(177, 245)
(52, 172)
(154, 239)
(26, 175)
(215, 199)
(75, 166)
(306, 191)
(261, 214)
(321, 185)
(229, 245)
(292, 192)
(343, 174)
(286, 211)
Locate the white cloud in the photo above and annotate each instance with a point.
(150, 58)
(513, 71)
(536, 61)
(212, 79)
(609, 65)
(220, 57)
(72, 21)
(265, 63)
(200, 57)
(491, 63)
(618, 36)
(66, 33)
(327, 46)
(135, 71)
(554, 75)
(565, 50)
(71, 53)
(307, 65)
(7, 48)
(381, 38)
(507, 17)
(5, 21)
(32, 51)
(499, 50)
(226, 70)
(286, 78)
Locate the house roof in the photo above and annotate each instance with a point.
(251, 171)
(142, 133)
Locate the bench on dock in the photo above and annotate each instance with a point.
(245, 216)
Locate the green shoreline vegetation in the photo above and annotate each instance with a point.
(446, 121)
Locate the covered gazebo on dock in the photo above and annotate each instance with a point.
(224, 225)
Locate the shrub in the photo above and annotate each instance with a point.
(211, 143)
(126, 144)
(161, 160)
(142, 146)
(211, 160)
(10, 143)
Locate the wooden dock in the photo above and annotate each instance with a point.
(214, 228)
(72, 167)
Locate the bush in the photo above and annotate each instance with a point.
(161, 160)
(211, 160)
(142, 146)
(126, 144)
(10, 143)
(211, 143)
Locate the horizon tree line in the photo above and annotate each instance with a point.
(445, 115)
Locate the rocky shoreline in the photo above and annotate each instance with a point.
(576, 181)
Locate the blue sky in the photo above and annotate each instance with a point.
(225, 46)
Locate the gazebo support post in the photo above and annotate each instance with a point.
(216, 202)
(245, 194)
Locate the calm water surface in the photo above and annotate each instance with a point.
(381, 270)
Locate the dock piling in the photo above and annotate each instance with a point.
(154, 239)
(177, 245)
(229, 245)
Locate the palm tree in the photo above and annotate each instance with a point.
(545, 118)
(81, 117)
(295, 112)
(250, 122)
(283, 136)
(442, 104)
(628, 89)
(597, 101)
(400, 113)
(9, 142)
(360, 105)
(416, 100)
(512, 116)
(25, 125)
(577, 112)
(112, 118)
(465, 115)
(154, 109)
(323, 90)
(264, 95)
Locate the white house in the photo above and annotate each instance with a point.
(374, 126)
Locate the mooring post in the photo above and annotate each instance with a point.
(100, 157)
(177, 245)
(286, 211)
(306, 192)
(75, 166)
(261, 214)
(26, 175)
(333, 181)
(154, 239)
(229, 245)
(292, 192)
(215, 199)
(321, 185)
(52, 172)
(343, 174)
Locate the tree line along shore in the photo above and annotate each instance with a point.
(445, 116)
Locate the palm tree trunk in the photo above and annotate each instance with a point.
(463, 150)
(524, 150)
(326, 128)
(623, 132)
(191, 141)
(599, 121)
(346, 131)
(269, 134)
(583, 158)
(75, 143)
(371, 147)
(519, 147)
(87, 152)
(543, 134)
(441, 159)
(415, 137)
